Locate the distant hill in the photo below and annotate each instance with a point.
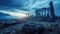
(5, 16)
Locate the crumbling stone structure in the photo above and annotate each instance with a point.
(46, 13)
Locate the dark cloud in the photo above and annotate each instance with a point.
(10, 3)
(30, 4)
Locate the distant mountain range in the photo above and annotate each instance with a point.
(5, 16)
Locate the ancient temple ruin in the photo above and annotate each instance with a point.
(46, 13)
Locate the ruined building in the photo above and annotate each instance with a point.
(46, 13)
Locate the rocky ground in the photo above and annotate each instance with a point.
(31, 27)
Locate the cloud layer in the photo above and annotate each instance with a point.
(28, 5)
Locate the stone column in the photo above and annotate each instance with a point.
(48, 12)
(45, 13)
(42, 12)
(27, 14)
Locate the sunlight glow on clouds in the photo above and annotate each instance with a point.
(19, 15)
(16, 15)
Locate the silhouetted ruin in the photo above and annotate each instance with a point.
(46, 13)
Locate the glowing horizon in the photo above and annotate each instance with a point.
(18, 14)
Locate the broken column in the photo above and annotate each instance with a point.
(52, 10)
